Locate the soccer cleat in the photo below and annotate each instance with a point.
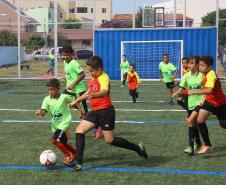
(68, 159)
(189, 150)
(204, 150)
(142, 151)
(171, 102)
(75, 165)
(98, 133)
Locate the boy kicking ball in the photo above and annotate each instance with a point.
(102, 114)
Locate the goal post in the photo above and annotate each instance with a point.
(146, 55)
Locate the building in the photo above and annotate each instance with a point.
(74, 9)
(8, 19)
(194, 9)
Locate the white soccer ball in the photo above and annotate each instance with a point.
(48, 158)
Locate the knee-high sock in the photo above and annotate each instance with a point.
(70, 148)
(62, 147)
(80, 145)
(197, 137)
(123, 143)
(204, 133)
(191, 134)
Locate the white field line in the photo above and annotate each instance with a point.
(125, 110)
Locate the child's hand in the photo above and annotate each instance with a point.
(174, 95)
(70, 87)
(72, 104)
(40, 112)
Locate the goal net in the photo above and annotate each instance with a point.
(146, 55)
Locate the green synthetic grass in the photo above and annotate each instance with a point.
(22, 143)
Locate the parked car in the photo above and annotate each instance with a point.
(84, 54)
(59, 51)
(40, 55)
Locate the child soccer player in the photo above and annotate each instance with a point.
(182, 100)
(166, 68)
(102, 114)
(215, 100)
(75, 87)
(133, 82)
(192, 80)
(124, 66)
(56, 104)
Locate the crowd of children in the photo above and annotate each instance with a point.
(199, 93)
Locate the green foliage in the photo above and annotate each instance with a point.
(33, 42)
(8, 38)
(72, 24)
(210, 20)
(139, 16)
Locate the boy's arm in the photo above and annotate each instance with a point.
(177, 93)
(175, 73)
(160, 77)
(202, 91)
(41, 112)
(81, 76)
(79, 99)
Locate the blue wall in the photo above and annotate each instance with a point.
(107, 43)
(9, 55)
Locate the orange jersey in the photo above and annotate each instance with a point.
(97, 84)
(184, 71)
(217, 97)
(133, 80)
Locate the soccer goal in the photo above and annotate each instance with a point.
(146, 55)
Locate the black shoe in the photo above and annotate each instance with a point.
(171, 102)
(136, 95)
(75, 165)
(142, 152)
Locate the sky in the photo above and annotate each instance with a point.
(127, 6)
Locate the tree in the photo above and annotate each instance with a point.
(139, 16)
(116, 24)
(72, 24)
(33, 42)
(8, 38)
(210, 20)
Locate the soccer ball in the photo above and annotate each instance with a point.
(48, 158)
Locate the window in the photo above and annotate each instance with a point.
(104, 10)
(82, 9)
(61, 15)
(86, 42)
(91, 10)
(103, 21)
(71, 10)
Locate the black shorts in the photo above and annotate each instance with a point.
(60, 136)
(220, 111)
(104, 118)
(196, 109)
(83, 103)
(170, 85)
(125, 76)
(132, 92)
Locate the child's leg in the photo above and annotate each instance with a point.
(201, 121)
(81, 130)
(59, 140)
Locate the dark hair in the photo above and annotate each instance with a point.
(132, 65)
(196, 59)
(165, 54)
(124, 55)
(208, 60)
(53, 83)
(186, 58)
(68, 49)
(95, 62)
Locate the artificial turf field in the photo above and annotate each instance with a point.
(159, 126)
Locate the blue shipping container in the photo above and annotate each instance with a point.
(196, 41)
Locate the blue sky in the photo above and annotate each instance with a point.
(127, 6)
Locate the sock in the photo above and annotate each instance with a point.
(182, 104)
(191, 134)
(204, 133)
(80, 145)
(124, 82)
(123, 143)
(62, 147)
(197, 137)
(134, 98)
(70, 148)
